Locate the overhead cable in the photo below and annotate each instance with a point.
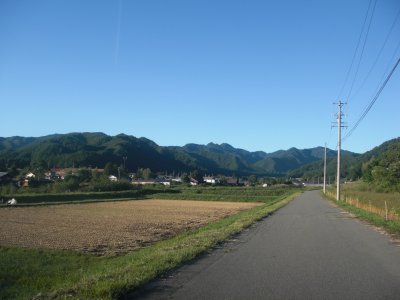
(355, 51)
(372, 102)
(362, 52)
(377, 57)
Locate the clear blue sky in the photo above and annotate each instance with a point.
(260, 75)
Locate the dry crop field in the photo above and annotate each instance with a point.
(109, 227)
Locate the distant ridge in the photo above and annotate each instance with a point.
(95, 149)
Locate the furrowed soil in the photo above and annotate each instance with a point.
(109, 228)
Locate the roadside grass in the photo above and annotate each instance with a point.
(24, 272)
(367, 196)
(27, 273)
(391, 226)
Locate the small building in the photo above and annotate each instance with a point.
(113, 178)
(165, 182)
(30, 175)
(144, 181)
(233, 181)
(210, 179)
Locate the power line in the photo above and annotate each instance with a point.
(373, 101)
(362, 52)
(377, 57)
(355, 52)
(389, 64)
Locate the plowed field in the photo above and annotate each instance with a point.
(109, 227)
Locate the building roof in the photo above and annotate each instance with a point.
(3, 174)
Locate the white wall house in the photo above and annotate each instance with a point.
(211, 180)
(113, 178)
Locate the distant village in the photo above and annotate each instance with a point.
(144, 177)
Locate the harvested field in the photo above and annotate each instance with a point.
(110, 227)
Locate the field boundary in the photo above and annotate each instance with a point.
(76, 202)
(78, 197)
(388, 225)
(120, 276)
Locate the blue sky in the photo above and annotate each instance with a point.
(259, 75)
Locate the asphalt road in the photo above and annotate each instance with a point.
(307, 250)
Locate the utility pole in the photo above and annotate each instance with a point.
(325, 170)
(339, 126)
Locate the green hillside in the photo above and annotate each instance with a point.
(379, 166)
(98, 149)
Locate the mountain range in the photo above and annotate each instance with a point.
(97, 149)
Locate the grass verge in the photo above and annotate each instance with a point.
(391, 226)
(27, 273)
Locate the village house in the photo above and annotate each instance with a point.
(30, 175)
(165, 182)
(144, 181)
(233, 181)
(211, 179)
(113, 178)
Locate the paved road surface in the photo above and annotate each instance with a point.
(307, 250)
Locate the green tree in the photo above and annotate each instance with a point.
(147, 173)
(223, 180)
(198, 176)
(185, 178)
(84, 175)
(252, 180)
(38, 167)
(110, 169)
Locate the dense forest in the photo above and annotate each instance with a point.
(380, 167)
(97, 149)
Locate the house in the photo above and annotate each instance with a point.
(165, 182)
(30, 175)
(232, 181)
(144, 181)
(211, 180)
(193, 181)
(152, 181)
(53, 174)
(113, 178)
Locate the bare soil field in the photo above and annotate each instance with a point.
(108, 228)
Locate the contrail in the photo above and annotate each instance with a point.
(117, 37)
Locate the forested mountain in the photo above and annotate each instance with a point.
(380, 166)
(97, 149)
